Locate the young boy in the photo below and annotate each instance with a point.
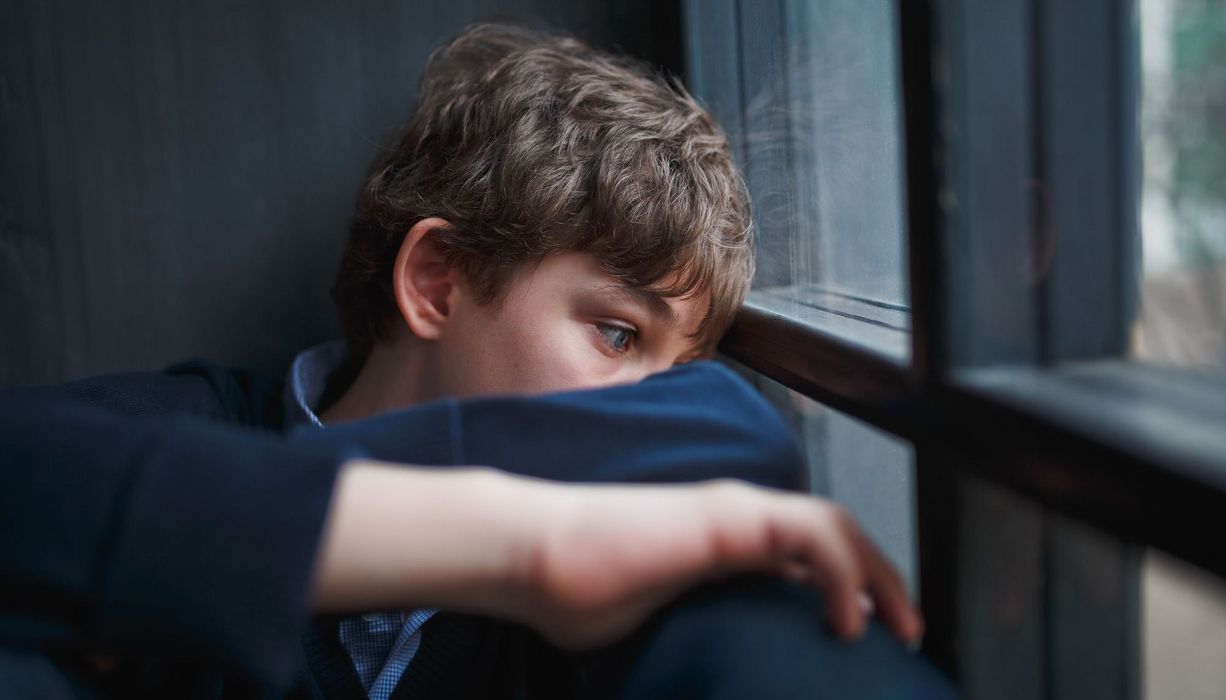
(551, 218)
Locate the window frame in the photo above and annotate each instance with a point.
(1055, 414)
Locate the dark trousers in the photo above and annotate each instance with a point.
(746, 638)
(750, 637)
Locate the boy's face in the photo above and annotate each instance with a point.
(561, 324)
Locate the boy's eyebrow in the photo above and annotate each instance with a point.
(652, 300)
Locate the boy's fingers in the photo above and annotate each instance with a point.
(848, 565)
(826, 545)
(889, 593)
(816, 542)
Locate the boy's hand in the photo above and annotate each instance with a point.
(584, 564)
(604, 557)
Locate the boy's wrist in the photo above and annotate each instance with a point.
(529, 514)
(511, 516)
(400, 536)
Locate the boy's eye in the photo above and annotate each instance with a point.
(619, 338)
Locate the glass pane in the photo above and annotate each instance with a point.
(812, 103)
(1182, 317)
(843, 100)
(870, 472)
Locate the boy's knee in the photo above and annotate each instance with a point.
(763, 638)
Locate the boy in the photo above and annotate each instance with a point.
(551, 218)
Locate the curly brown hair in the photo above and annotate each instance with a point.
(530, 143)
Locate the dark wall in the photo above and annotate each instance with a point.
(176, 177)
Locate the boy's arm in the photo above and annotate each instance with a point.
(134, 534)
(583, 564)
(695, 422)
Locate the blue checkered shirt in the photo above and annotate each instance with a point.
(381, 644)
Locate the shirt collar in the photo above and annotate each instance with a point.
(307, 379)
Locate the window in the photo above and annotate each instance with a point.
(962, 206)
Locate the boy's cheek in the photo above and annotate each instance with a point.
(523, 363)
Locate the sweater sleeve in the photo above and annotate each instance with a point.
(695, 422)
(140, 535)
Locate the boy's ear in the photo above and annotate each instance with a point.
(422, 280)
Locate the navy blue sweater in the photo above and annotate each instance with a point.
(165, 519)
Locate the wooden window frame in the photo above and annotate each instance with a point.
(1055, 413)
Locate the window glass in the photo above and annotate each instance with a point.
(843, 93)
(1184, 630)
(809, 93)
(869, 472)
(1182, 315)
